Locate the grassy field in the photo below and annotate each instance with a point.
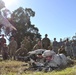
(16, 68)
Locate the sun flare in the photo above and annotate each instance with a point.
(9, 2)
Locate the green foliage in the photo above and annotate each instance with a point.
(21, 20)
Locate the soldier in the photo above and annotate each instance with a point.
(62, 50)
(30, 43)
(74, 48)
(12, 48)
(21, 52)
(5, 52)
(26, 43)
(34, 42)
(2, 41)
(38, 45)
(61, 43)
(45, 42)
(55, 45)
(68, 47)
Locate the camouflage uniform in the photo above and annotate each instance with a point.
(30, 43)
(61, 43)
(5, 52)
(27, 44)
(38, 45)
(34, 42)
(68, 48)
(55, 46)
(62, 50)
(74, 48)
(2, 41)
(12, 48)
(21, 51)
(45, 43)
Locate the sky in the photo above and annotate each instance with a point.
(57, 18)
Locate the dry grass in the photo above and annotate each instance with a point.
(10, 66)
(15, 68)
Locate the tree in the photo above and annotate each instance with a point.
(20, 18)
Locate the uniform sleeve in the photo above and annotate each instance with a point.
(35, 47)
